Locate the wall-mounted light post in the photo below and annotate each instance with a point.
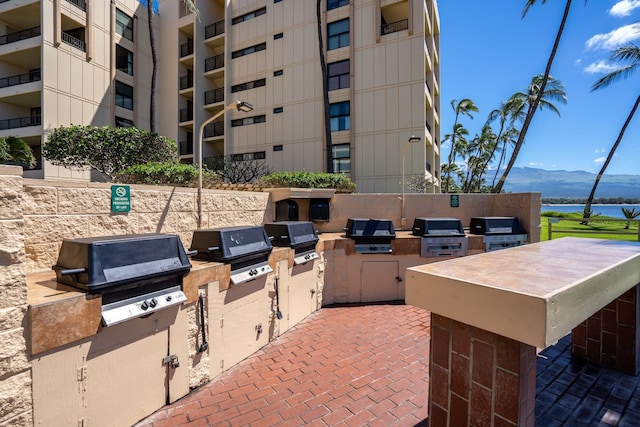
(403, 219)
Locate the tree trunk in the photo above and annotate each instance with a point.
(154, 60)
(587, 206)
(536, 102)
(325, 90)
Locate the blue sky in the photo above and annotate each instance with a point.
(488, 52)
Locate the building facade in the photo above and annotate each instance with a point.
(91, 64)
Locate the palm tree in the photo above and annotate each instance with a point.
(509, 112)
(480, 150)
(543, 85)
(466, 107)
(14, 150)
(537, 95)
(325, 89)
(630, 213)
(631, 55)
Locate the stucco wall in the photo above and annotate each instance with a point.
(15, 369)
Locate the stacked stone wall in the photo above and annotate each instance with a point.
(15, 369)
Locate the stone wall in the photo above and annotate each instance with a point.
(15, 369)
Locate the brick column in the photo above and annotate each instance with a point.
(479, 378)
(610, 336)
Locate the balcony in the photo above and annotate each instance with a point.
(80, 4)
(214, 29)
(32, 76)
(74, 42)
(186, 49)
(214, 63)
(186, 82)
(20, 35)
(214, 96)
(214, 129)
(20, 122)
(186, 115)
(186, 148)
(394, 27)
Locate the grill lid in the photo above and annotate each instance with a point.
(98, 264)
(291, 234)
(360, 228)
(437, 227)
(231, 244)
(495, 225)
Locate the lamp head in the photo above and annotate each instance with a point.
(244, 106)
(414, 138)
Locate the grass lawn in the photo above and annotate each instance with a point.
(568, 224)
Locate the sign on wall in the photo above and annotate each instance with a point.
(455, 201)
(120, 198)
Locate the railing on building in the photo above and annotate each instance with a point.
(31, 76)
(428, 167)
(20, 35)
(214, 96)
(394, 27)
(214, 29)
(214, 129)
(184, 9)
(20, 122)
(214, 62)
(428, 126)
(74, 42)
(80, 4)
(186, 82)
(186, 49)
(186, 115)
(186, 148)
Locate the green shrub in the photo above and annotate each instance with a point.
(304, 179)
(175, 174)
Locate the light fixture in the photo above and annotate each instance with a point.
(403, 220)
(245, 107)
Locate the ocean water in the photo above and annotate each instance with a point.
(613, 211)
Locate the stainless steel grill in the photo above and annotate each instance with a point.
(136, 274)
(441, 237)
(298, 235)
(371, 236)
(500, 232)
(246, 249)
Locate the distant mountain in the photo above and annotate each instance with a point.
(571, 184)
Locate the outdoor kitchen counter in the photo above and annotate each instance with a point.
(534, 294)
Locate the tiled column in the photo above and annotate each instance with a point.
(479, 378)
(610, 337)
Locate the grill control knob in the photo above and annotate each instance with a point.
(144, 305)
(153, 302)
(169, 297)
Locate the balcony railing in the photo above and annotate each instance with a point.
(428, 126)
(214, 29)
(20, 35)
(214, 62)
(213, 96)
(186, 115)
(20, 122)
(186, 49)
(186, 148)
(186, 82)
(31, 76)
(74, 42)
(428, 166)
(80, 4)
(214, 129)
(394, 27)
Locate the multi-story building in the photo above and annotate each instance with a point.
(93, 66)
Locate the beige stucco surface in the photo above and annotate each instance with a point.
(534, 293)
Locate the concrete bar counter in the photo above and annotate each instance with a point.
(491, 311)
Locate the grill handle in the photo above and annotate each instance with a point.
(213, 248)
(70, 271)
(191, 252)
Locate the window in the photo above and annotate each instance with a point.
(258, 155)
(278, 36)
(334, 4)
(277, 1)
(339, 116)
(248, 85)
(277, 148)
(248, 121)
(248, 16)
(124, 95)
(248, 50)
(277, 73)
(124, 25)
(338, 34)
(341, 159)
(278, 110)
(339, 75)
(124, 60)
(123, 123)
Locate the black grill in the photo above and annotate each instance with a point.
(298, 235)
(441, 236)
(499, 232)
(371, 236)
(246, 249)
(135, 274)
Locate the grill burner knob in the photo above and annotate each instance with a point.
(253, 272)
(153, 302)
(373, 248)
(169, 298)
(144, 305)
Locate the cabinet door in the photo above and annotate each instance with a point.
(379, 281)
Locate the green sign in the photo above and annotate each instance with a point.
(120, 198)
(455, 201)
